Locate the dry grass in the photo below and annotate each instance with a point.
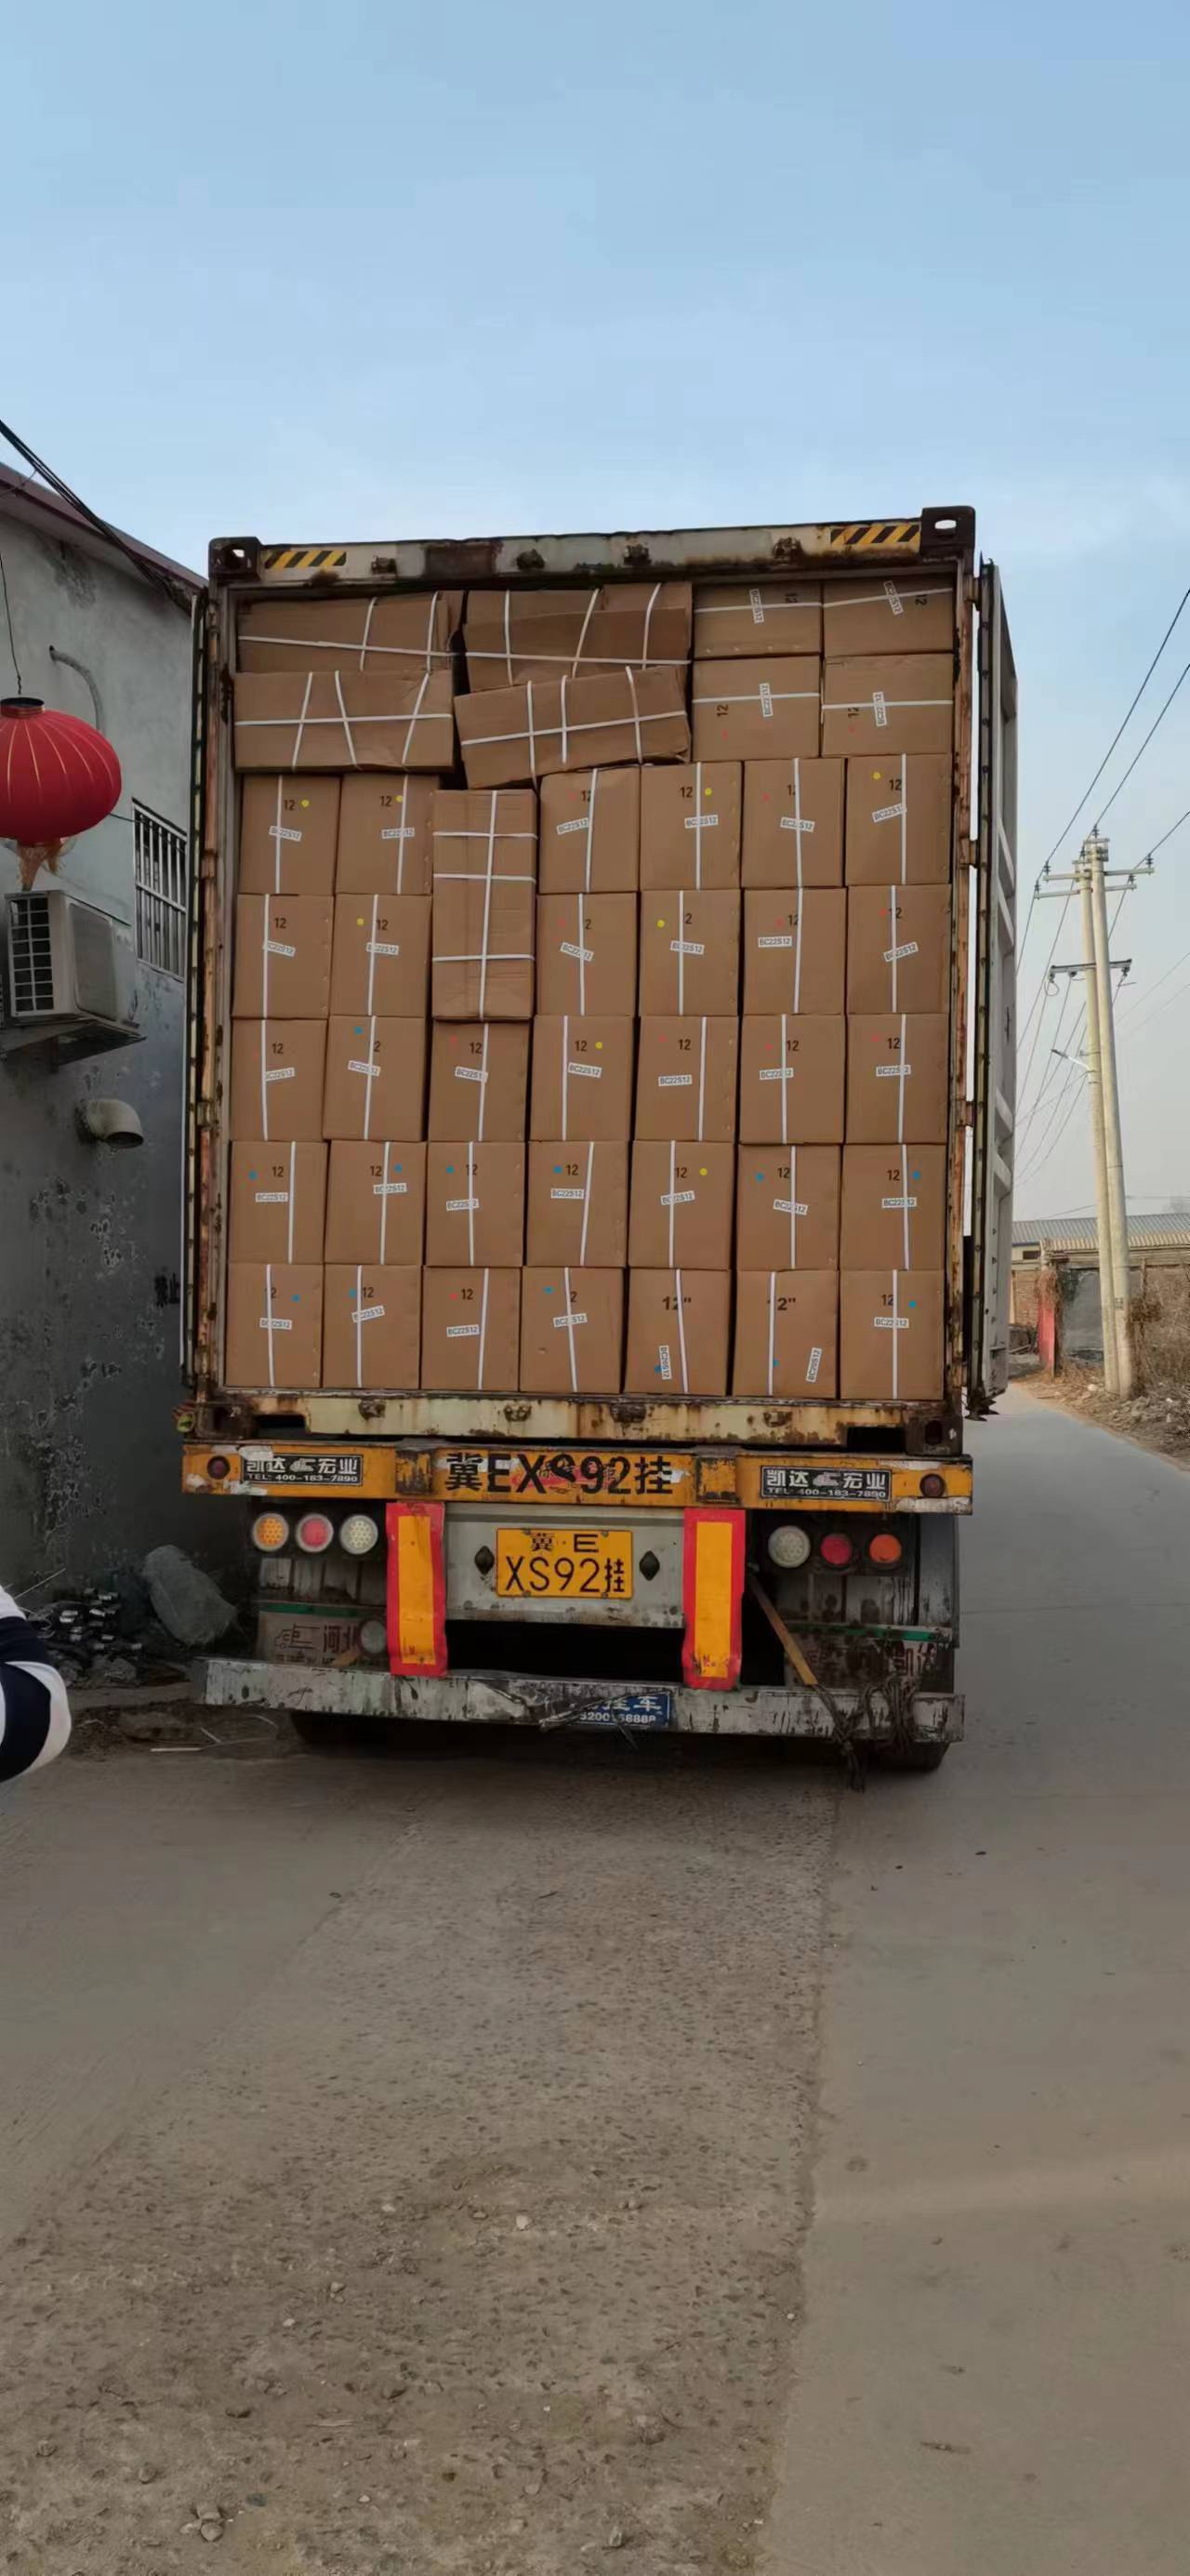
(1161, 1326)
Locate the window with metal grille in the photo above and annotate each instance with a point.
(160, 892)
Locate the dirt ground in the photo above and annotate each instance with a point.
(1159, 1419)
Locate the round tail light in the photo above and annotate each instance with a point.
(884, 1549)
(836, 1549)
(359, 1533)
(788, 1545)
(933, 1486)
(314, 1533)
(270, 1530)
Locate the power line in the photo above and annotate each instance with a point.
(1049, 1142)
(102, 527)
(1143, 996)
(1158, 719)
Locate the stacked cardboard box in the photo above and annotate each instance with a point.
(614, 1052)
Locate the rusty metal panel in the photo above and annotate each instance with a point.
(714, 1422)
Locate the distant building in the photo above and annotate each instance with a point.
(90, 1245)
(1155, 1243)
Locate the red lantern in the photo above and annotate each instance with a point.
(58, 777)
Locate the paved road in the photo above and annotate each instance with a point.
(470, 2164)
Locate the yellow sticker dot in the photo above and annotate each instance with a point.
(359, 921)
(660, 921)
(598, 1046)
(305, 804)
(878, 773)
(707, 791)
(702, 1171)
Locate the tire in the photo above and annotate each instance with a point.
(336, 1735)
(911, 1757)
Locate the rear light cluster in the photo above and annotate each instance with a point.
(315, 1532)
(790, 1545)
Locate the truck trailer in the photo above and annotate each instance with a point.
(739, 1552)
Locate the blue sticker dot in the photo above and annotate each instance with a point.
(297, 1297)
(359, 1032)
(758, 1176)
(916, 1176)
(449, 1170)
(398, 1167)
(252, 1176)
(549, 1292)
(557, 1168)
(913, 1301)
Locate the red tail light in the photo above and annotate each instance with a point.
(884, 1549)
(836, 1549)
(314, 1533)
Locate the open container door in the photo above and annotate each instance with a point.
(989, 1271)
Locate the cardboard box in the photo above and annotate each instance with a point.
(276, 1201)
(743, 619)
(894, 1207)
(678, 1332)
(475, 1206)
(408, 631)
(582, 1078)
(484, 934)
(898, 948)
(787, 1334)
(792, 1079)
(288, 835)
(890, 1336)
(492, 833)
(899, 819)
(572, 1331)
(686, 1079)
(590, 832)
(512, 734)
(795, 949)
(760, 710)
(787, 1207)
(691, 819)
(376, 1202)
(380, 957)
(899, 615)
(793, 823)
(577, 1203)
(681, 1206)
(471, 1331)
(887, 702)
(375, 1077)
(898, 1078)
(274, 1324)
(277, 1075)
(282, 957)
(295, 720)
(479, 1081)
(371, 1325)
(386, 841)
(689, 954)
(517, 635)
(586, 954)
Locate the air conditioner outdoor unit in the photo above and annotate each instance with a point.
(71, 973)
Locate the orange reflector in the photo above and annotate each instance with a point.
(416, 1589)
(712, 1593)
(884, 1549)
(269, 1532)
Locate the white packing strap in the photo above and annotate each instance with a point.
(371, 1001)
(905, 818)
(673, 1183)
(363, 650)
(789, 697)
(540, 733)
(698, 824)
(483, 1088)
(783, 1087)
(359, 1330)
(471, 1206)
(402, 801)
(277, 840)
(434, 599)
(792, 1208)
(590, 610)
(482, 1345)
(702, 1073)
(565, 1055)
(896, 1334)
(333, 644)
(369, 1077)
(797, 947)
(570, 1334)
(384, 1204)
(591, 824)
(582, 1248)
(902, 1078)
(425, 682)
(681, 1332)
(580, 944)
(301, 723)
(508, 635)
(680, 945)
(797, 818)
(884, 598)
(268, 1317)
(264, 1081)
(351, 754)
(487, 905)
(265, 927)
(531, 738)
(292, 1200)
(841, 706)
(630, 676)
(644, 650)
(564, 750)
(908, 1263)
(772, 1325)
(593, 664)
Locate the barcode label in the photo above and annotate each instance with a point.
(777, 1072)
(383, 948)
(702, 822)
(462, 1332)
(687, 948)
(356, 1065)
(569, 948)
(766, 698)
(674, 1081)
(795, 823)
(460, 1207)
(677, 1198)
(791, 1207)
(879, 707)
(784, 939)
(469, 1073)
(891, 1072)
(581, 823)
(276, 1323)
(369, 1314)
(398, 832)
(891, 1323)
(279, 948)
(813, 1364)
(283, 832)
(282, 1073)
(562, 1323)
(390, 1189)
(272, 1198)
(893, 596)
(663, 1360)
(908, 949)
(593, 1070)
(887, 813)
(898, 1203)
(568, 1194)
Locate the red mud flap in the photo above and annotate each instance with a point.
(416, 1589)
(712, 1598)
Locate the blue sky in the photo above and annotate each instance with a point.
(386, 271)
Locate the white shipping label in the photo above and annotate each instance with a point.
(283, 832)
(898, 1203)
(272, 1198)
(383, 948)
(756, 604)
(568, 1194)
(687, 948)
(777, 1072)
(278, 948)
(462, 1332)
(276, 1323)
(907, 949)
(782, 940)
(369, 1314)
(891, 1323)
(766, 697)
(887, 813)
(792, 1207)
(355, 1065)
(675, 1081)
(282, 1073)
(580, 824)
(663, 1360)
(460, 1207)
(677, 1198)
(893, 596)
(879, 707)
(892, 1072)
(702, 822)
(795, 823)
(562, 1323)
(594, 1070)
(390, 1189)
(813, 1364)
(469, 1073)
(569, 948)
(398, 832)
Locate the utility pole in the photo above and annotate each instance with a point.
(1094, 855)
(1103, 1205)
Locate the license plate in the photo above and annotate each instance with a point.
(630, 1708)
(578, 1564)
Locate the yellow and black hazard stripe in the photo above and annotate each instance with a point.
(303, 558)
(868, 536)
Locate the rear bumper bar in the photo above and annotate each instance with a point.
(524, 1699)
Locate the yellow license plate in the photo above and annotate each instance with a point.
(578, 1564)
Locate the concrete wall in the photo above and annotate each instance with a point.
(90, 1239)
